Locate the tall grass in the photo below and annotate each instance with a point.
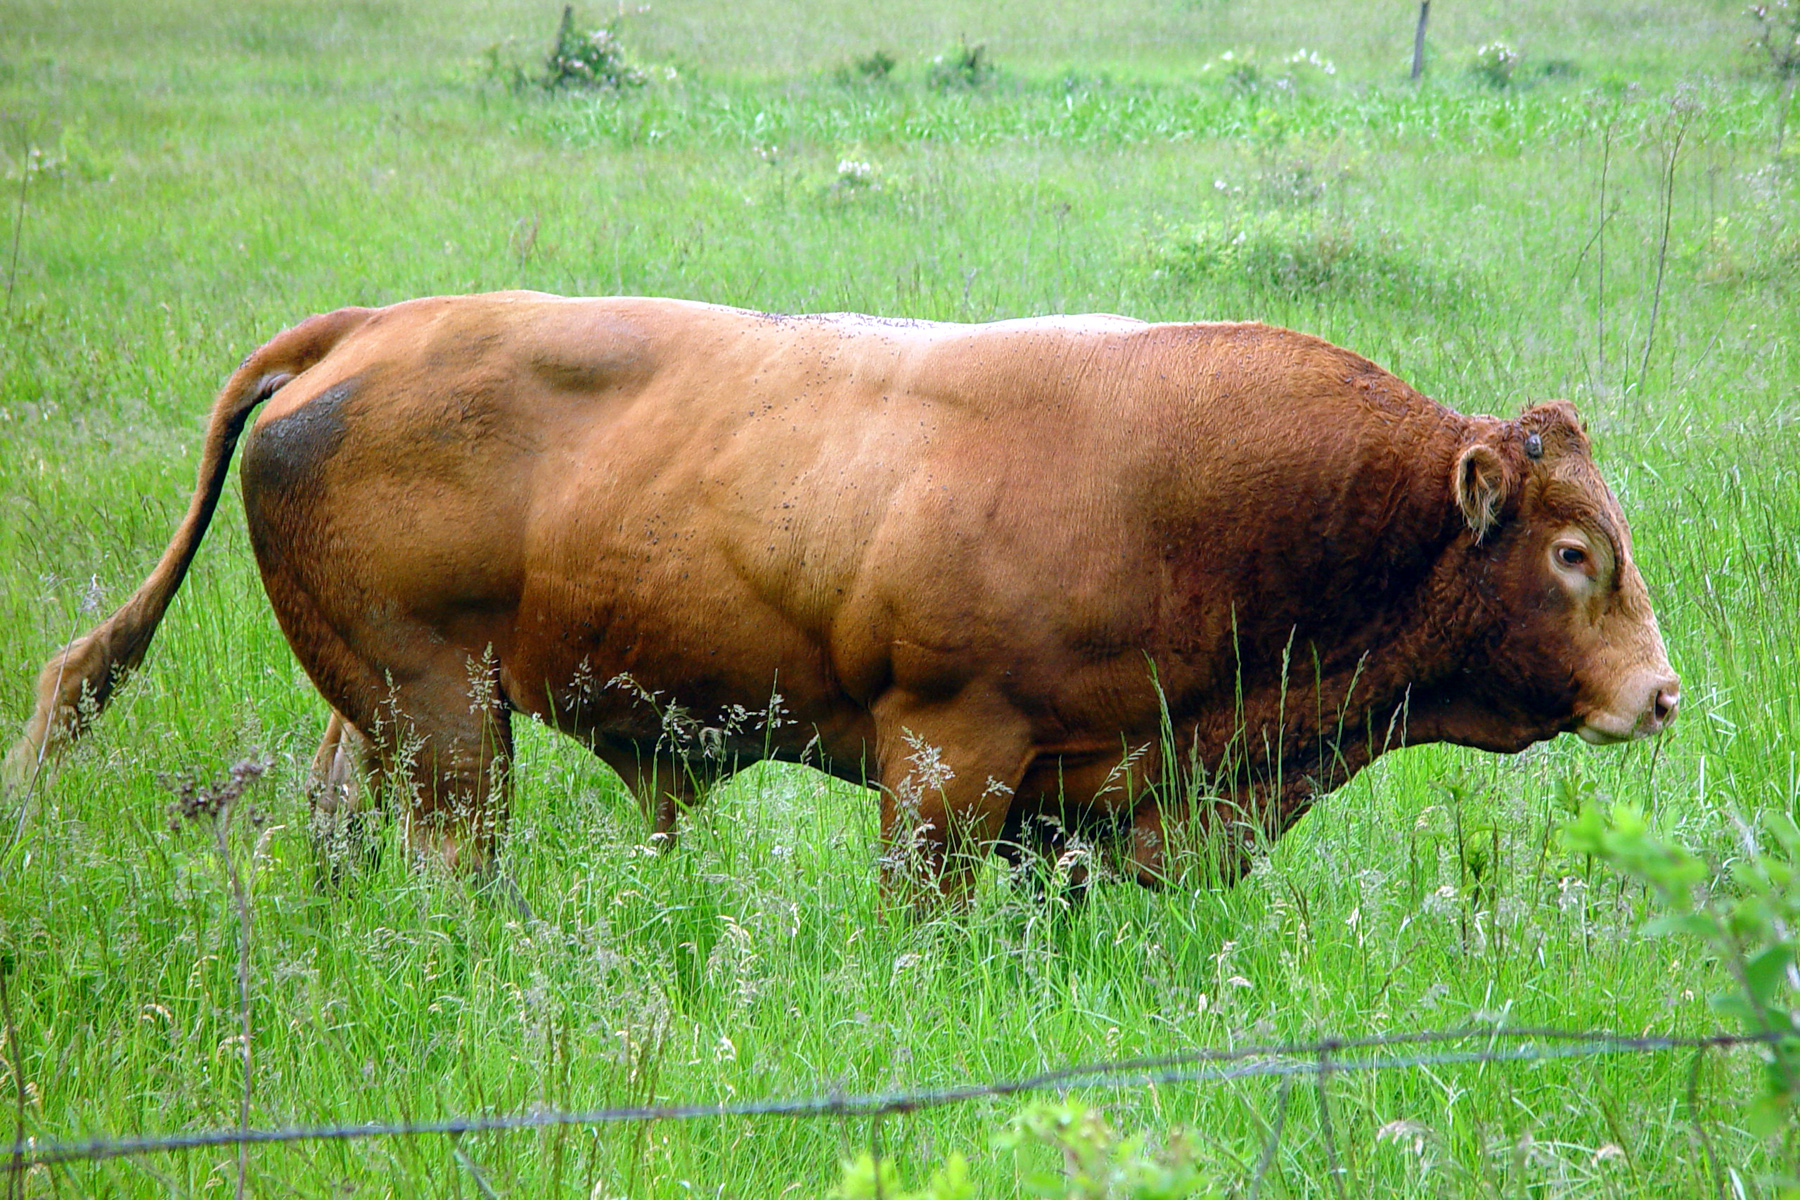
(216, 176)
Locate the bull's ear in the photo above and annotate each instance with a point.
(1479, 484)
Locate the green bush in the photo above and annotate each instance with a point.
(1495, 64)
(1746, 915)
(1096, 1164)
(1291, 255)
(965, 69)
(594, 61)
(874, 68)
(1244, 71)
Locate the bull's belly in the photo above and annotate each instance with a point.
(771, 695)
(690, 693)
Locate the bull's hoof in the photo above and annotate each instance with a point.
(502, 889)
(345, 846)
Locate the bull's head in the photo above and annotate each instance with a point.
(1570, 641)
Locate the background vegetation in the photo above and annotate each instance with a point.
(1609, 216)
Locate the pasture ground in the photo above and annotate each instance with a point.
(182, 181)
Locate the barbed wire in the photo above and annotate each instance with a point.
(1322, 1058)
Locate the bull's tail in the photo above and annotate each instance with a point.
(77, 682)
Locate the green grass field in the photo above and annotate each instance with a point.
(184, 181)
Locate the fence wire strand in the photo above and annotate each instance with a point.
(1284, 1061)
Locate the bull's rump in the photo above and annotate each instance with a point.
(722, 504)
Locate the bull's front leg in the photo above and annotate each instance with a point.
(947, 774)
(1212, 839)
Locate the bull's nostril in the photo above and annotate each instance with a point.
(1667, 701)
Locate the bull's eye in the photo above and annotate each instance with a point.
(1571, 556)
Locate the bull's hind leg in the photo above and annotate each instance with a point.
(456, 765)
(345, 790)
(445, 743)
(435, 739)
(425, 718)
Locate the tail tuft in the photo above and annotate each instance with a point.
(71, 689)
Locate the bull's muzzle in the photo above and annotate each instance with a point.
(1658, 700)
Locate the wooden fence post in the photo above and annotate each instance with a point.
(1419, 41)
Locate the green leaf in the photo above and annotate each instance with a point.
(864, 1179)
(1766, 971)
(1586, 834)
(1767, 1115)
(1691, 924)
(1782, 828)
(950, 1181)
(1735, 1007)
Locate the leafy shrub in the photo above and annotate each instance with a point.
(1777, 37)
(1245, 73)
(964, 69)
(866, 1179)
(1242, 73)
(1100, 1165)
(69, 155)
(1495, 64)
(1746, 915)
(1097, 1164)
(594, 61)
(873, 69)
(1289, 256)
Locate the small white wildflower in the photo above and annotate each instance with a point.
(1403, 1131)
(1499, 52)
(1441, 901)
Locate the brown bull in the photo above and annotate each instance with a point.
(998, 571)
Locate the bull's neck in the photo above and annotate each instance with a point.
(1337, 687)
